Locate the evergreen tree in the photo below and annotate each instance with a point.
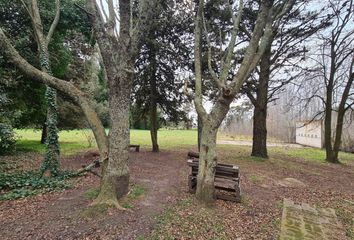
(164, 55)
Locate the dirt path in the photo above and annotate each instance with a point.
(59, 215)
(264, 184)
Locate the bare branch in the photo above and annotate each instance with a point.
(102, 9)
(54, 23)
(198, 98)
(111, 21)
(210, 68)
(226, 64)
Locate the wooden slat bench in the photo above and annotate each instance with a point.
(227, 178)
(137, 147)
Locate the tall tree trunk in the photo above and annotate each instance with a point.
(338, 137)
(208, 154)
(328, 128)
(328, 112)
(153, 125)
(153, 103)
(341, 113)
(51, 160)
(115, 179)
(259, 145)
(200, 127)
(207, 164)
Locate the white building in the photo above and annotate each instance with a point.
(310, 133)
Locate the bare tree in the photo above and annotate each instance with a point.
(284, 53)
(335, 60)
(269, 16)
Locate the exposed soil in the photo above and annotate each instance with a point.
(163, 175)
(62, 215)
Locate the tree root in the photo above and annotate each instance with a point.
(89, 168)
(111, 203)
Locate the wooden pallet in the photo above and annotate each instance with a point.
(137, 147)
(227, 179)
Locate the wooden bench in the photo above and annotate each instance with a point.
(227, 178)
(137, 147)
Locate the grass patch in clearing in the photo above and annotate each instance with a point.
(136, 192)
(66, 148)
(92, 193)
(311, 154)
(73, 141)
(127, 205)
(258, 159)
(187, 220)
(279, 204)
(256, 178)
(346, 217)
(167, 138)
(94, 211)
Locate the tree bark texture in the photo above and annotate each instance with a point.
(200, 127)
(44, 133)
(328, 112)
(341, 113)
(207, 163)
(259, 144)
(115, 181)
(153, 104)
(119, 54)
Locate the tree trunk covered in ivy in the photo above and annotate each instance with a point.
(52, 156)
(51, 161)
(259, 144)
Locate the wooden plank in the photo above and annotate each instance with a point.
(192, 154)
(137, 147)
(226, 179)
(228, 197)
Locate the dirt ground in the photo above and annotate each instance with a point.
(66, 215)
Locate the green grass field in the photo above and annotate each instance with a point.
(74, 141)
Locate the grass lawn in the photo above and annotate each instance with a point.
(73, 141)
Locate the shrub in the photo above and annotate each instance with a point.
(7, 139)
